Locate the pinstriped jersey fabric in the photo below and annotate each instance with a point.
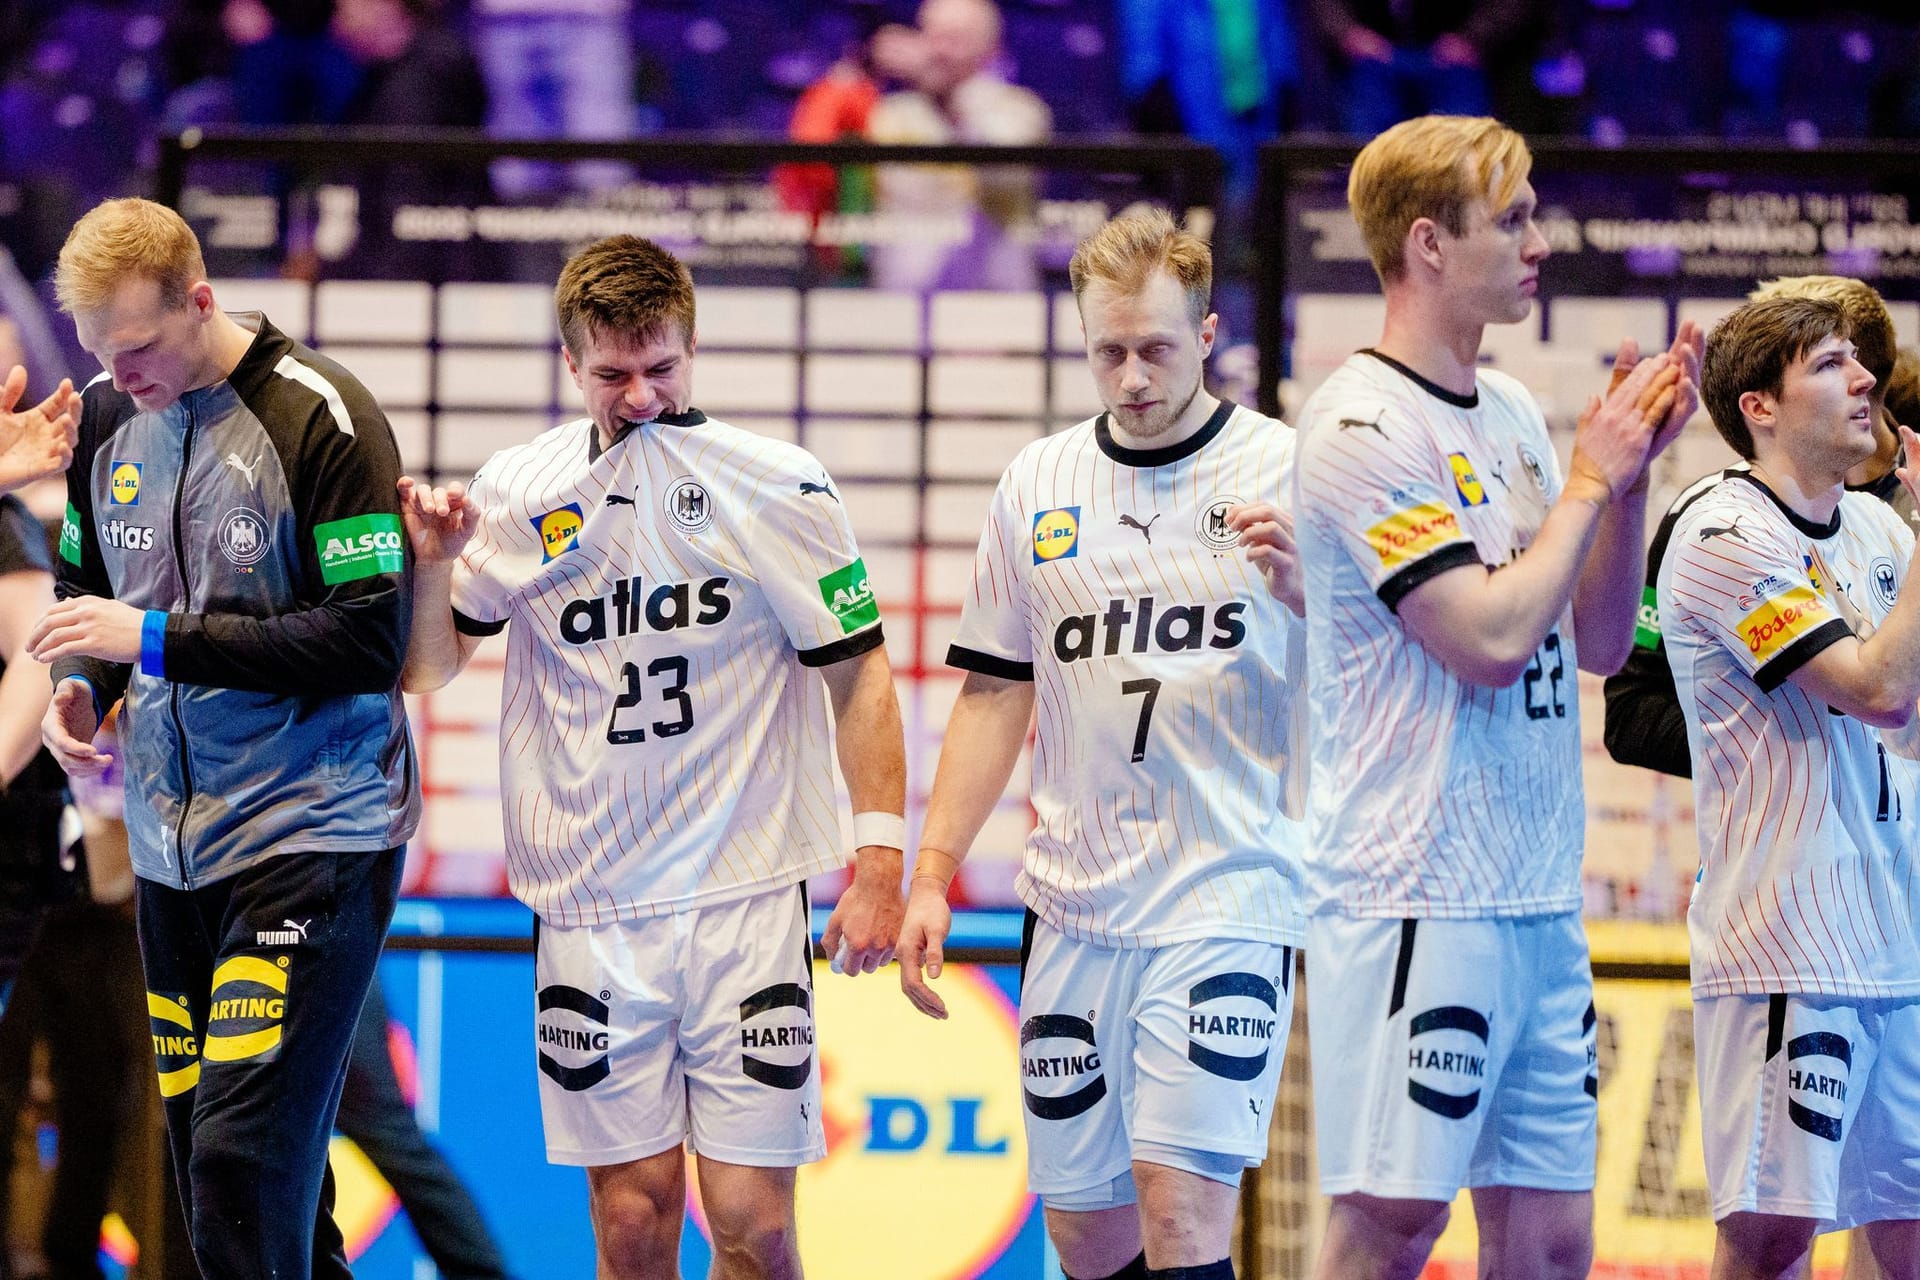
(1166, 757)
(1807, 868)
(1430, 796)
(663, 741)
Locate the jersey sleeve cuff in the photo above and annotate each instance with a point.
(1799, 653)
(988, 664)
(1401, 584)
(475, 627)
(840, 650)
(153, 644)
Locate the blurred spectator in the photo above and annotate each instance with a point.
(838, 105)
(1219, 73)
(1404, 58)
(556, 69)
(287, 68)
(1903, 388)
(957, 94)
(412, 70)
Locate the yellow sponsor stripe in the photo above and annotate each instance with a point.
(1406, 536)
(175, 1083)
(240, 1048)
(168, 1011)
(1778, 622)
(250, 969)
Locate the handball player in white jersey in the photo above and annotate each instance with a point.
(1454, 585)
(682, 600)
(1136, 585)
(1795, 645)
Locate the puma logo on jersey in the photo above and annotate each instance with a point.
(619, 500)
(1499, 472)
(244, 468)
(1716, 530)
(1146, 530)
(808, 486)
(1358, 424)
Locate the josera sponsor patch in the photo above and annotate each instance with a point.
(1778, 622)
(1406, 536)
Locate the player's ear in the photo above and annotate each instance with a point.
(1209, 329)
(573, 369)
(1758, 408)
(1423, 244)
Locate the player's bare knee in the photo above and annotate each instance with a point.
(1766, 1243)
(1566, 1252)
(635, 1222)
(756, 1244)
(1412, 1221)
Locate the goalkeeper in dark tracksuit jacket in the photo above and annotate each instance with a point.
(232, 564)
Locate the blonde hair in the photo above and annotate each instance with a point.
(126, 239)
(1868, 319)
(1431, 167)
(1130, 248)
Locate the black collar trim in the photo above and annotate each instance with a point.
(1103, 433)
(1794, 518)
(691, 418)
(1434, 389)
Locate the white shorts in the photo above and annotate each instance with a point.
(1171, 1055)
(1452, 1053)
(693, 1026)
(1810, 1106)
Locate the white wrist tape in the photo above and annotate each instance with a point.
(888, 830)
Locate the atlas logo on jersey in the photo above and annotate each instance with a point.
(123, 484)
(669, 606)
(1079, 1059)
(559, 531)
(1447, 1049)
(1466, 482)
(1245, 990)
(1179, 628)
(1056, 534)
(571, 1031)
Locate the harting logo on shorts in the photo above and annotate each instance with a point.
(176, 1052)
(776, 1036)
(1060, 1047)
(1817, 1067)
(249, 1006)
(1236, 1009)
(1447, 1060)
(570, 1027)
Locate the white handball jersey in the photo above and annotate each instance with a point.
(1431, 797)
(1166, 683)
(662, 741)
(1805, 818)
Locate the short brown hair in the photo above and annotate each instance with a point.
(1130, 248)
(1431, 167)
(127, 239)
(1750, 350)
(1903, 388)
(1868, 321)
(625, 288)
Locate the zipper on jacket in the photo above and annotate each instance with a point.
(173, 686)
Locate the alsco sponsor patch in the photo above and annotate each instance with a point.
(848, 594)
(1466, 482)
(1406, 536)
(1056, 534)
(1646, 624)
(70, 537)
(1778, 622)
(360, 547)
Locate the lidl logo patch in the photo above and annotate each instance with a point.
(360, 547)
(123, 484)
(559, 531)
(1465, 482)
(848, 594)
(1056, 534)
